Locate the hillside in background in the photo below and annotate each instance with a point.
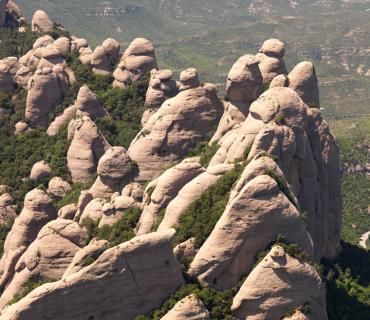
(211, 35)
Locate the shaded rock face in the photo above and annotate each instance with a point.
(161, 191)
(47, 257)
(6, 79)
(115, 169)
(87, 147)
(41, 22)
(278, 284)
(178, 125)
(128, 280)
(137, 61)
(38, 210)
(271, 61)
(45, 90)
(297, 316)
(93, 210)
(68, 114)
(282, 125)
(10, 14)
(67, 212)
(3, 12)
(191, 192)
(189, 308)
(256, 216)
(104, 56)
(161, 87)
(244, 85)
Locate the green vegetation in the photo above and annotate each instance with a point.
(348, 284)
(30, 286)
(14, 43)
(217, 303)
(126, 107)
(72, 196)
(356, 199)
(205, 151)
(119, 232)
(201, 216)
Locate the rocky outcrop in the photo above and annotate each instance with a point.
(189, 308)
(161, 191)
(297, 316)
(67, 212)
(303, 80)
(87, 147)
(104, 56)
(63, 44)
(161, 87)
(45, 90)
(10, 14)
(115, 170)
(134, 190)
(93, 210)
(3, 12)
(271, 61)
(21, 127)
(23, 76)
(244, 85)
(278, 284)
(115, 210)
(137, 61)
(88, 104)
(47, 257)
(257, 216)
(190, 192)
(128, 280)
(41, 22)
(6, 80)
(38, 210)
(40, 170)
(178, 125)
(58, 188)
(7, 208)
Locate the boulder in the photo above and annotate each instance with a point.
(68, 212)
(191, 192)
(78, 43)
(257, 216)
(7, 209)
(278, 284)
(134, 190)
(93, 210)
(303, 80)
(40, 170)
(185, 249)
(159, 194)
(104, 56)
(244, 85)
(37, 211)
(161, 87)
(189, 308)
(45, 90)
(21, 127)
(137, 61)
(115, 170)
(280, 81)
(87, 147)
(23, 76)
(63, 44)
(271, 61)
(130, 279)
(88, 104)
(47, 257)
(41, 22)
(178, 125)
(58, 188)
(115, 210)
(189, 79)
(43, 41)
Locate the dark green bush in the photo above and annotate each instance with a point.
(202, 215)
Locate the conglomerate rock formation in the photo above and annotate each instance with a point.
(120, 243)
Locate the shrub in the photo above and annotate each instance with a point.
(30, 286)
(201, 216)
